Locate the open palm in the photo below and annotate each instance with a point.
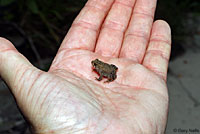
(68, 100)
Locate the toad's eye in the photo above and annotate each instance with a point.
(94, 64)
(114, 66)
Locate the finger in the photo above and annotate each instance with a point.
(111, 35)
(85, 28)
(16, 70)
(158, 52)
(137, 35)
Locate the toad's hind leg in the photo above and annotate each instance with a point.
(109, 80)
(100, 78)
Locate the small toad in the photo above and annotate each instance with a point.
(104, 70)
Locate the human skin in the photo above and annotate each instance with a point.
(68, 100)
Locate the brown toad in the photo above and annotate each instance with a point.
(104, 70)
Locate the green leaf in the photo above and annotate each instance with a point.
(6, 2)
(57, 14)
(32, 6)
(8, 16)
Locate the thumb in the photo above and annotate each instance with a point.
(15, 69)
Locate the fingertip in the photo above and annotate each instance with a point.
(4, 39)
(163, 24)
(5, 45)
(161, 29)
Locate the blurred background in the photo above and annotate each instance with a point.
(37, 27)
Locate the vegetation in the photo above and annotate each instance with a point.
(175, 12)
(47, 21)
(43, 21)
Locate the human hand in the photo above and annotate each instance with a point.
(68, 100)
